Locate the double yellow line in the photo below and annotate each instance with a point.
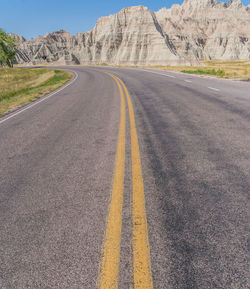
(109, 275)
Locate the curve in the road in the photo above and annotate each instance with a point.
(56, 171)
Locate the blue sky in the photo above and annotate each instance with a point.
(31, 18)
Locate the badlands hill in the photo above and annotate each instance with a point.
(184, 34)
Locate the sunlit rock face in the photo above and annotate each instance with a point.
(213, 29)
(183, 34)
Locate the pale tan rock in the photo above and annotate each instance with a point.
(215, 30)
(198, 29)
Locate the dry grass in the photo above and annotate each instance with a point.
(224, 69)
(233, 69)
(19, 86)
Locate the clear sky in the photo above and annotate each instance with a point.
(31, 18)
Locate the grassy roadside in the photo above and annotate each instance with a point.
(19, 86)
(236, 69)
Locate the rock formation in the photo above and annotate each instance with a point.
(183, 34)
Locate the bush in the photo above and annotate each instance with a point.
(7, 49)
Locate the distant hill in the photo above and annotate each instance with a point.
(198, 29)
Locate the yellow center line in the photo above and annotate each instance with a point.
(141, 248)
(111, 255)
(141, 251)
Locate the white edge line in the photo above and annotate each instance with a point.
(212, 88)
(43, 99)
(189, 81)
(158, 73)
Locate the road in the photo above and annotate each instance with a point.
(127, 178)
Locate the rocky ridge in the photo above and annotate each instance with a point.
(183, 34)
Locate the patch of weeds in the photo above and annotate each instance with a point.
(213, 72)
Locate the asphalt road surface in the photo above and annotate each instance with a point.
(128, 179)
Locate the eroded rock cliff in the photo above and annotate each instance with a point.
(197, 29)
